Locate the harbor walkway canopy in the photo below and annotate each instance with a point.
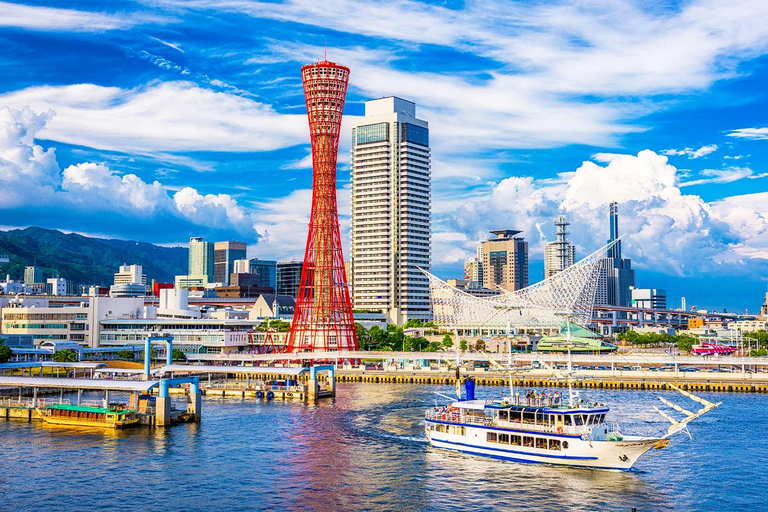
(50, 364)
(95, 384)
(249, 370)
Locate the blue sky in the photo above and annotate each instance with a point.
(158, 120)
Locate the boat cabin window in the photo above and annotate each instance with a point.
(554, 444)
(565, 445)
(577, 420)
(529, 417)
(567, 419)
(504, 415)
(541, 442)
(492, 437)
(516, 440)
(504, 438)
(528, 441)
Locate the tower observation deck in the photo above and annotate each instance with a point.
(322, 320)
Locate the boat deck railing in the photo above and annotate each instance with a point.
(461, 416)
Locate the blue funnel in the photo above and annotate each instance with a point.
(469, 387)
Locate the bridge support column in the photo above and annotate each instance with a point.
(163, 405)
(194, 403)
(169, 352)
(147, 357)
(332, 381)
(312, 387)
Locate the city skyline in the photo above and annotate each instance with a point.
(158, 136)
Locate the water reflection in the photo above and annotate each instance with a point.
(366, 449)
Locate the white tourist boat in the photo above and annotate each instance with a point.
(546, 428)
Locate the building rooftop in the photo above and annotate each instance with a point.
(503, 234)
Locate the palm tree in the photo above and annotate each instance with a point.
(65, 356)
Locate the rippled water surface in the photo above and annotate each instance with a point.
(366, 450)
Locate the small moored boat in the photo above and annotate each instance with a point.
(114, 416)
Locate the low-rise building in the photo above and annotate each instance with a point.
(75, 320)
(473, 288)
(190, 335)
(748, 325)
(649, 298)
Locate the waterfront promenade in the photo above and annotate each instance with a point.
(612, 371)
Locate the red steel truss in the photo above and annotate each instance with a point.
(322, 320)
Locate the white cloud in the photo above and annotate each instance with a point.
(727, 175)
(562, 72)
(166, 117)
(26, 169)
(750, 133)
(49, 18)
(219, 210)
(30, 175)
(92, 183)
(667, 230)
(690, 152)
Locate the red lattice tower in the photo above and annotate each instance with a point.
(322, 320)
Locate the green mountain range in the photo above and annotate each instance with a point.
(85, 260)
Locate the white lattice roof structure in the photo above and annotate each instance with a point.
(541, 305)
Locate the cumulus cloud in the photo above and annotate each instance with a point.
(30, 175)
(25, 167)
(667, 230)
(166, 117)
(690, 152)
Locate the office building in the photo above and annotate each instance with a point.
(473, 270)
(504, 258)
(391, 207)
(130, 281)
(33, 275)
(288, 277)
(648, 298)
(224, 256)
(264, 272)
(57, 286)
(201, 258)
(561, 253)
(616, 274)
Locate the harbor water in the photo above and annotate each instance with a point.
(365, 449)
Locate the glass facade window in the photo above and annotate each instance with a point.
(415, 134)
(372, 133)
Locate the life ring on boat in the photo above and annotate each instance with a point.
(259, 394)
(559, 430)
(270, 395)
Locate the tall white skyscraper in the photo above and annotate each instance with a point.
(391, 207)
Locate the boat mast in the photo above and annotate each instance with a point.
(509, 359)
(570, 360)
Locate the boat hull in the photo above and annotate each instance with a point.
(78, 422)
(613, 455)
